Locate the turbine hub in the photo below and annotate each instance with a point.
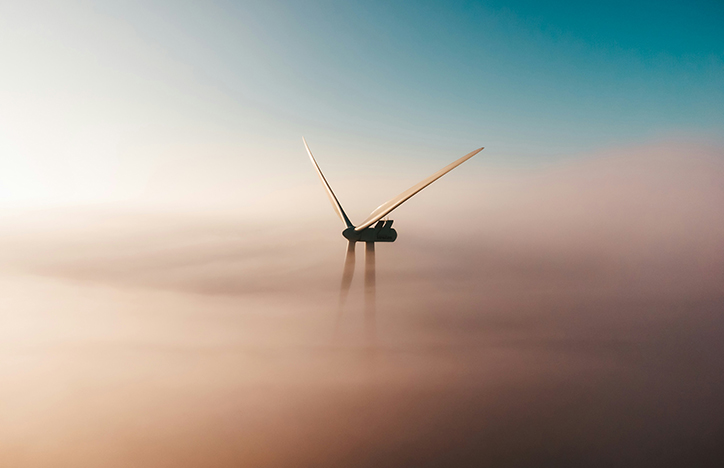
(381, 232)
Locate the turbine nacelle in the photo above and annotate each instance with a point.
(381, 232)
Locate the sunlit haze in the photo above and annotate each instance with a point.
(170, 264)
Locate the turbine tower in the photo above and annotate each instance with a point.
(381, 232)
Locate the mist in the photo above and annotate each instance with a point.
(568, 314)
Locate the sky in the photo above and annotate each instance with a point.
(118, 101)
(170, 264)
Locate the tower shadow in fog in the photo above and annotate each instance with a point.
(381, 232)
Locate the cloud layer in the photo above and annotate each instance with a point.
(565, 315)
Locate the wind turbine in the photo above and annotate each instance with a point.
(381, 232)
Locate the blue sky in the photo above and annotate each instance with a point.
(571, 76)
(134, 89)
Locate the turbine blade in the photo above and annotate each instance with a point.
(370, 290)
(384, 209)
(332, 197)
(346, 282)
(347, 274)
